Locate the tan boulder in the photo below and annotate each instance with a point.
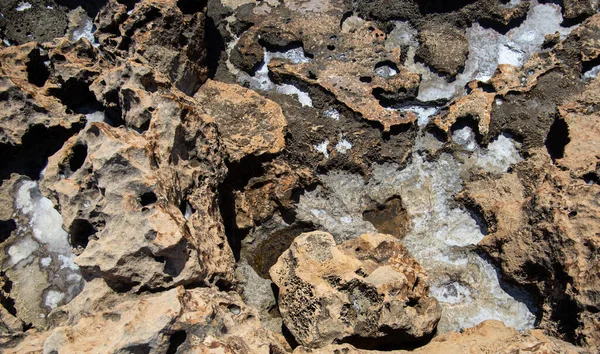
(368, 291)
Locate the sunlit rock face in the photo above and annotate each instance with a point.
(442, 234)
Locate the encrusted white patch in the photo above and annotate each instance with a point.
(343, 146)
(322, 148)
(53, 298)
(500, 154)
(592, 73)
(22, 250)
(332, 113)
(23, 6)
(98, 116)
(188, 211)
(85, 30)
(6, 42)
(261, 80)
(45, 261)
(386, 71)
(423, 113)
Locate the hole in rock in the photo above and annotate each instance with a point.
(176, 340)
(78, 157)
(557, 139)
(37, 72)
(6, 228)
(7, 302)
(148, 198)
(366, 79)
(390, 218)
(81, 230)
(191, 6)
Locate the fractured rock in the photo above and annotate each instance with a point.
(369, 291)
(443, 47)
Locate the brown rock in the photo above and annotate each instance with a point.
(487, 337)
(249, 123)
(368, 290)
(443, 47)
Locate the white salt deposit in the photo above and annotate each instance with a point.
(500, 154)
(261, 80)
(97, 116)
(343, 146)
(22, 250)
(49, 245)
(322, 148)
(53, 298)
(85, 30)
(592, 73)
(386, 71)
(423, 113)
(332, 113)
(23, 6)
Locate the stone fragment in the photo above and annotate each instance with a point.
(369, 291)
(443, 47)
(249, 123)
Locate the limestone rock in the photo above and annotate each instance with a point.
(249, 123)
(544, 235)
(166, 34)
(368, 290)
(488, 337)
(134, 233)
(201, 320)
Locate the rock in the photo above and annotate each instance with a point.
(575, 10)
(166, 34)
(177, 320)
(543, 234)
(249, 123)
(368, 291)
(443, 47)
(147, 231)
(488, 337)
(32, 20)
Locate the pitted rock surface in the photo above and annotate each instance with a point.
(366, 290)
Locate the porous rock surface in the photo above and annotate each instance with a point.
(164, 165)
(367, 289)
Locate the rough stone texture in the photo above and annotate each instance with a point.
(577, 9)
(343, 62)
(170, 226)
(487, 337)
(166, 34)
(249, 123)
(274, 190)
(543, 224)
(198, 320)
(369, 291)
(443, 47)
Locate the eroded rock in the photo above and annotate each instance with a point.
(368, 290)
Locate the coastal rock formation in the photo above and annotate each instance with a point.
(367, 291)
(321, 176)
